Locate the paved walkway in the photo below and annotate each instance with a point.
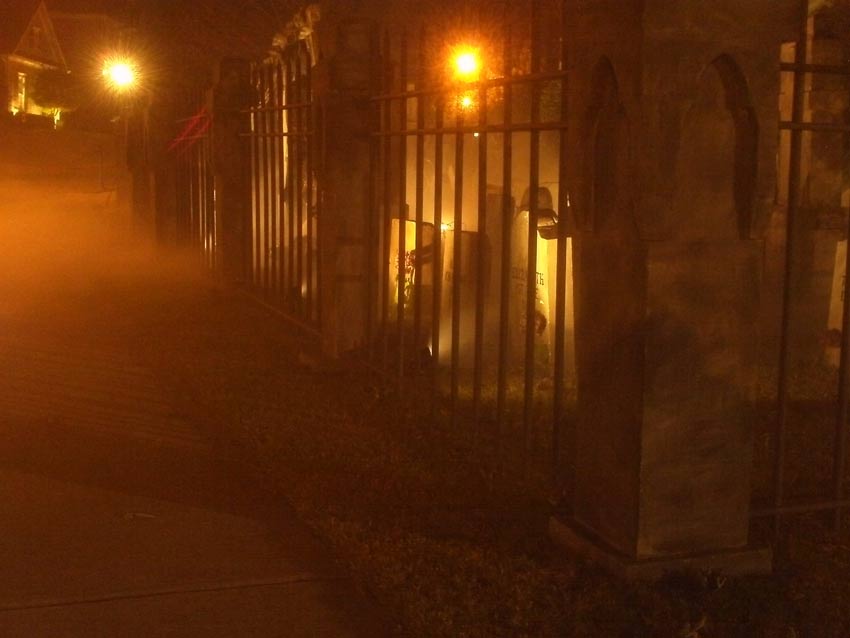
(120, 516)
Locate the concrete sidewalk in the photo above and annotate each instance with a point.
(121, 516)
(82, 561)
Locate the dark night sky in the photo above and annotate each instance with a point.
(180, 36)
(99, 6)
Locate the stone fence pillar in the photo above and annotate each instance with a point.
(342, 92)
(679, 124)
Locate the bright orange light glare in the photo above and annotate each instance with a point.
(467, 64)
(120, 74)
(466, 102)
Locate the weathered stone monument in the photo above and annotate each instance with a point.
(675, 105)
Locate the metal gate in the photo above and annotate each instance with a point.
(284, 198)
(470, 283)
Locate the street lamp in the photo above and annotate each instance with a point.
(466, 102)
(120, 74)
(465, 67)
(467, 64)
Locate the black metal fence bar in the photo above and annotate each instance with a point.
(507, 231)
(197, 197)
(289, 106)
(197, 157)
(190, 158)
(531, 262)
(527, 78)
(289, 184)
(277, 170)
(472, 129)
(814, 126)
(437, 303)
(386, 266)
(258, 194)
(478, 364)
(300, 178)
(209, 205)
(559, 372)
(258, 177)
(311, 266)
(402, 255)
(268, 182)
(795, 163)
(457, 266)
(253, 183)
(806, 507)
(273, 140)
(840, 451)
(372, 284)
(281, 128)
(829, 69)
(419, 203)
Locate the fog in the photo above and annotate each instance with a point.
(65, 227)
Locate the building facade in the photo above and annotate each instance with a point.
(29, 50)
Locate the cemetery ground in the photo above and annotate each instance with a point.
(416, 511)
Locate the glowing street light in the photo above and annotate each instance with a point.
(120, 74)
(467, 64)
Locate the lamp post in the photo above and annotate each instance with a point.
(122, 79)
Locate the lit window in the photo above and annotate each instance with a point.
(21, 95)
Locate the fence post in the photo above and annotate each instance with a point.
(679, 175)
(230, 96)
(342, 82)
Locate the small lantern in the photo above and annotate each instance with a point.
(547, 217)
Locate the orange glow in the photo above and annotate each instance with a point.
(467, 64)
(120, 74)
(466, 102)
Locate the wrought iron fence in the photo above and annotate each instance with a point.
(805, 461)
(471, 278)
(192, 149)
(285, 203)
(469, 295)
